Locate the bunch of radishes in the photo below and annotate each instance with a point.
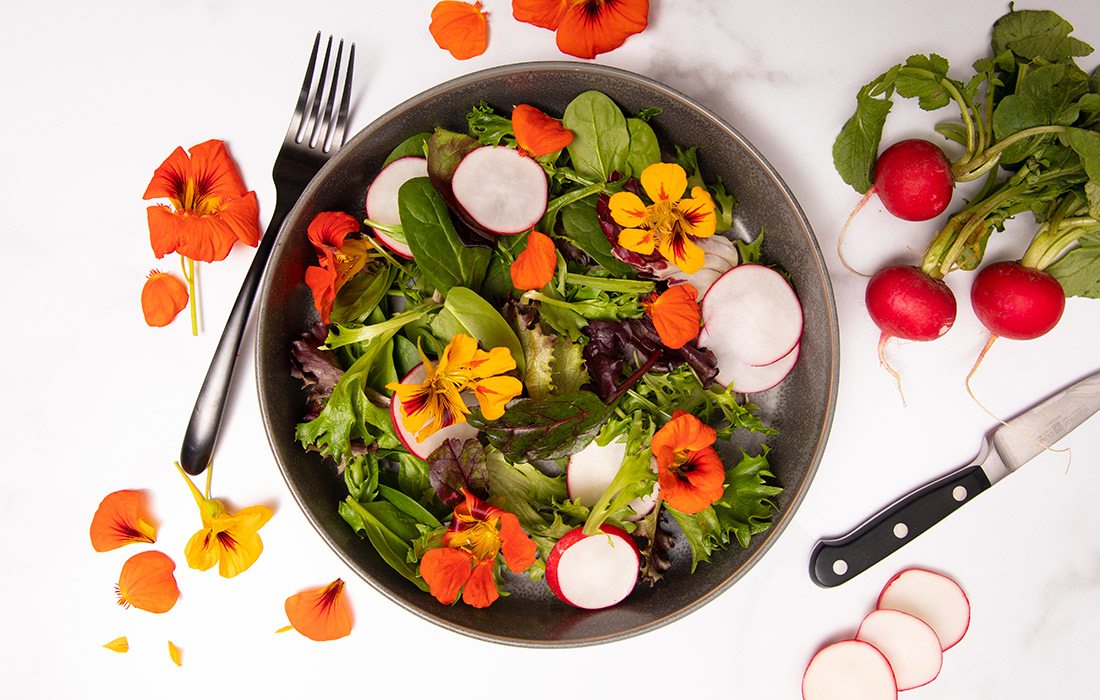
(1029, 125)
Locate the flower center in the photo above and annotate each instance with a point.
(478, 537)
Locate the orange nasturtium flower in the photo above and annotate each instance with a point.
(676, 315)
(585, 28)
(339, 258)
(437, 402)
(322, 614)
(689, 471)
(464, 564)
(230, 540)
(123, 517)
(671, 222)
(535, 266)
(537, 133)
(460, 27)
(147, 583)
(162, 298)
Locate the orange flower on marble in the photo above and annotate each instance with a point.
(477, 534)
(689, 471)
(162, 298)
(676, 315)
(586, 28)
(537, 133)
(122, 518)
(535, 266)
(147, 583)
(210, 209)
(322, 614)
(462, 28)
(339, 257)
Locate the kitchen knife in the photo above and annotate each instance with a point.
(1003, 451)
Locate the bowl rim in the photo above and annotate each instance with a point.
(833, 344)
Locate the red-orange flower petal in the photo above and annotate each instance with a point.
(518, 549)
(481, 589)
(209, 167)
(460, 27)
(446, 571)
(538, 133)
(541, 13)
(534, 267)
(162, 298)
(322, 614)
(147, 583)
(122, 518)
(676, 315)
(689, 471)
(322, 283)
(592, 27)
(328, 230)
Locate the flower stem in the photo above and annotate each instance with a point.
(188, 267)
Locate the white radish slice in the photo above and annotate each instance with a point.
(910, 645)
(424, 448)
(381, 203)
(849, 670)
(746, 378)
(500, 189)
(751, 314)
(591, 470)
(934, 598)
(593, 572)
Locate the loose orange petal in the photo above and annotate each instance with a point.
(147, 583)
(322, 614)
(175, 653)
(460, 27)
(592, 27)
(541, 13)
(535, 266)
(122, 517)
(481, 589)
(446, 571)
(696, 484)
(676, 315)
(537, 133)
(119, 646)
(162, 298)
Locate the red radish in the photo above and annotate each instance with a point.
(907, 642)
(381, 202)
(593, 572)
(501, 189)
(751, 314)
(934, 598)
(591, 470)
(746, 378)
(849, 670)
(424, 448)
(1017, 302)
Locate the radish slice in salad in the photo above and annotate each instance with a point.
(593, 572)
(746, 378)
(849, 670)
(381, 203)
(424, 448)
(591, 470)
(910, 645)
(934, 598)
(751, 314)
(501, 189)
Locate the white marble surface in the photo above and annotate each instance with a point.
(96, 94)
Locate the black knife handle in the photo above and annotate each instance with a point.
(837, 560)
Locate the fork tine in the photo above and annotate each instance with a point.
(313, 121)
(324, 124)
(345, 98)
(303, 97)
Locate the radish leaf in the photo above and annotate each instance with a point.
(856, 146)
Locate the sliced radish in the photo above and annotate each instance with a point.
(849, 670)
(591, 470)
(907, 642)
(500, 189)
(424, 448)
(752, 314)
(593, 572)
(931, 597)
(746, 378)
(381, 203)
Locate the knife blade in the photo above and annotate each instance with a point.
(1003, 450)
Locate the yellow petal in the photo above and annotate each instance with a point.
(201, 551)
(699, 217)
(681, 252)
(639, 240)
(175, 653)
(627, 209)
(496, 361)
(664, 182)
(458, 353)
(120, 645)
(493, 393)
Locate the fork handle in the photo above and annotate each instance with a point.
(206, 417)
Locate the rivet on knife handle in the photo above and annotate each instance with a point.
(840, 559)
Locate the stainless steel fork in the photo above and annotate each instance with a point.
(316, 130)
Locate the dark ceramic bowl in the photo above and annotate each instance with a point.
(801, 407)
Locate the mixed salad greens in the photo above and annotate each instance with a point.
(420, 308)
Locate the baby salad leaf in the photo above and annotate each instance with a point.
(526, 492)
(550, 428)
(644, 149)
(582, 226)
(389, 530)
(458, 465)
(442, 257)
(488, 127)
(856, 146)
(601, 138)
(483, 322)
(416, 145)
(634, 479)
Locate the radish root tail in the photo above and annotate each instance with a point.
(886, 366)
(844, 232)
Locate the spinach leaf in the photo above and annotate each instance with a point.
(378, 520)
(442, 257)
(362, 294)
(552, 428)
(644, 149)
(409, 507)
(415, 145)
(601, 138)
(481, 321)
(582, 225)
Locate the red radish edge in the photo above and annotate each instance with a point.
(849, 670)
(907, 642)
(752, 314)
(501, 189)
(424, 448)
(934, 598)
(381, 200)
(601, 571)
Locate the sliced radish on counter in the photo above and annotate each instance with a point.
(381, 203)
(907, 642)
(424, 448)
(931, 597)
(849, 670)
(591, 470)
(501, 189)
(593, 572)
